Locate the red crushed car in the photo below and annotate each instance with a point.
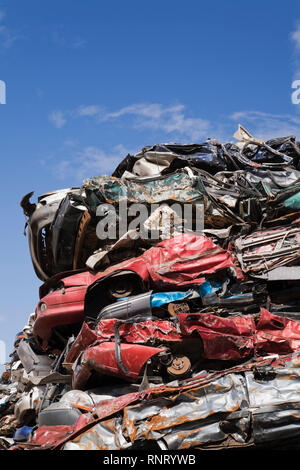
(177, 262)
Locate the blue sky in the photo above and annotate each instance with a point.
(89, 81)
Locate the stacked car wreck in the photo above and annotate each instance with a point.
(174, 331)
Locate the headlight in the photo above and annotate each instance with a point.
(43, 307)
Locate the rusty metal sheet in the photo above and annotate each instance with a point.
(179, 187)
(244, 406)
(265, 250)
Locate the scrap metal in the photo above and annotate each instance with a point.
(186, 340)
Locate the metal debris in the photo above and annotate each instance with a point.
(166, 333)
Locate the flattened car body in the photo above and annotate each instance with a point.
(189, 338)
(179, 261)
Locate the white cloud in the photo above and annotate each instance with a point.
(170, 119)
(266, 125)
(295, 37)
(61, 38)
(7, 36)
(90, 161)
(177, 123)
(148, 110)
(69, 143)
(155, 116)
(58, 38)
(90, 110)
(40, 93)
(78, 43)
(57, 119)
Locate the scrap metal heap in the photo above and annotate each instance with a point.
(186, 339)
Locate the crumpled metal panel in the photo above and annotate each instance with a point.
(8, 425)
(186, 419)
(85, 338)
(293, 201)
(250, 153)
(277, 334)
(275, 405)
(58, 209)
(102, 359)
(184, 258)
(188, 412)
(64, 231)
(105, 436)
(46, 436)
(234, 407)
(224, 339)
(167, 157)
(143, 332)
(181, 260)
(264, 250)
(179, 187)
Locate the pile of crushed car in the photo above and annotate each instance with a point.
(186, 339)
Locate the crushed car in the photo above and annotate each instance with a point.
(176, 330)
